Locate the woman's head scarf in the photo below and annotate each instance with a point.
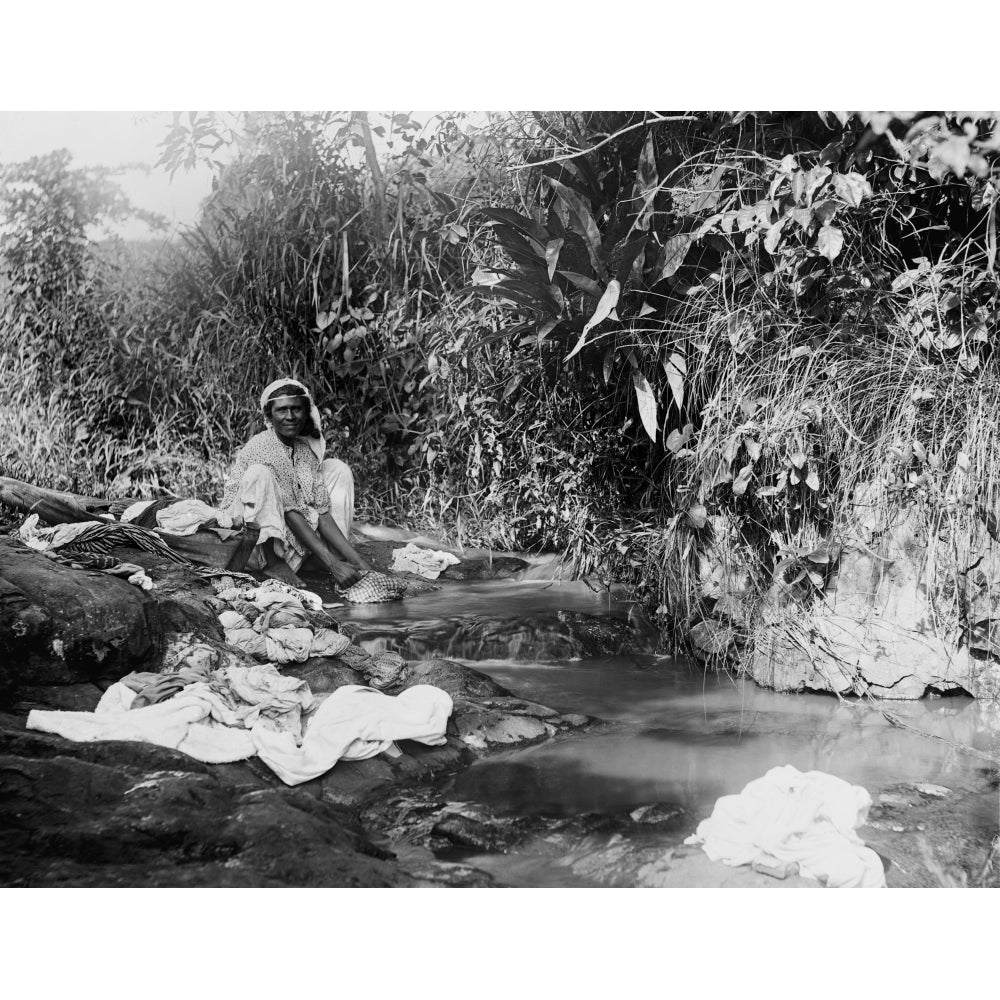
(318, 443)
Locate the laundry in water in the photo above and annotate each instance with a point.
(792, 816)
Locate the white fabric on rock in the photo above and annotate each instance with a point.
(355, 723)
(789, 815)
(178, 723)
(186, 516)
(43, 539)
(428, 563)
(133, 512)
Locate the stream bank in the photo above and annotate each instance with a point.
(123, 813)
(575, 755)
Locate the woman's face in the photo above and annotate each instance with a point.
(288, 414)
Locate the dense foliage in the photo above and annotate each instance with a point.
(631, 336)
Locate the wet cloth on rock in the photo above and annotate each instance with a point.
(178, 517)
(98, 537)
(810, 818)
(283, 631)
(224, 588)
(428, 563)
(273, 623)
(374, 588)
(380, 670)
(239, 695)
(130, 572)
(355, 723)
(181, 723)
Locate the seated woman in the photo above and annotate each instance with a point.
(303, 503)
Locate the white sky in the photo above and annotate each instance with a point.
(111, 138)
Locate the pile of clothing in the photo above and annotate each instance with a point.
(87, 544)
(789, 817)
(229, 713)
(276, 623)
(428, 563)
(179, 517)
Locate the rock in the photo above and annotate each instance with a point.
(495, 835)
(884, 628)
(480, 727)
(457, 679)
(518, 706)
(352, 781)
(573, 719)
(984, 681)
(712, 639)
(66, 626)
(70, 820)
(932, 791)
(58, 697)
(891, 799)
(782, 870)
(549, 635)
(936, 840)
(850, 656)
(661, 814)
(485, 568)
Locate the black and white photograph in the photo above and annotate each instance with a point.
(484, 499)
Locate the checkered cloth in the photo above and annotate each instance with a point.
(374, 588)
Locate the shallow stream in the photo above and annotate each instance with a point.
(684, 737)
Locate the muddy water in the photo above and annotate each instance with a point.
(682, 737)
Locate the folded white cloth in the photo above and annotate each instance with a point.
(355, 723)
(427, 563)
(787, 815)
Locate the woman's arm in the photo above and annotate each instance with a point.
(334, 537)
(313, 543)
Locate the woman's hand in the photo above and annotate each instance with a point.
(342, 572)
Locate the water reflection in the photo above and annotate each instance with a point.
(690, 738)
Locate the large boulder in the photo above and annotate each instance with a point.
(878, 629)
(64, 626)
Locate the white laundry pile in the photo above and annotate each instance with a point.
(788, 815)
(277, 623)
(184, 517)
(355, 723)
(182, 723)
(277, 626)
(427, 563)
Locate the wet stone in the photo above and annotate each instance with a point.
(932, 791)
(519, 706)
